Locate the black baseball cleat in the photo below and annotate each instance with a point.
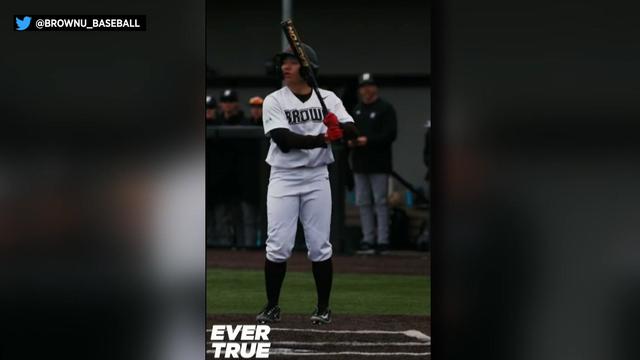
(382, 249)
(365, 249)
(321, 317)
(269, 315)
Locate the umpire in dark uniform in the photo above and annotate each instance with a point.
(371, 163)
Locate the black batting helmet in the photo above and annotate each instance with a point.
(308, 50)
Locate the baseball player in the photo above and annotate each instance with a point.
(299, 182)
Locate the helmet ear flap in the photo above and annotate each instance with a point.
(305, 73)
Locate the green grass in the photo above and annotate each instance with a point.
(242, 292)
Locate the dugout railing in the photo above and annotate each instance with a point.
(226, 137)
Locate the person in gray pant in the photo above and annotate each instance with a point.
(371, 164)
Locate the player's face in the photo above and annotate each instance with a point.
(228, 107)
(368, 93)
(256, 112)
(291, 70)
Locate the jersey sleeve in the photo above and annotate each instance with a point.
(272, 115)
(335, 106)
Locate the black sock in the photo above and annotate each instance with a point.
(274, 276)
(323, 274)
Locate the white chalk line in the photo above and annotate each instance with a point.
(274, 352)
(349, 343)
(294, 352)
(410, 333)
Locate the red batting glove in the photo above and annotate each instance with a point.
(333, 133)
(331, 120)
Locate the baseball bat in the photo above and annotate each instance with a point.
(296, 45)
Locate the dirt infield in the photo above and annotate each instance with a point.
(399, 262)
(348, 337)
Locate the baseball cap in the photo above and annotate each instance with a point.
(366, 79)
(256, 101)
(211, 102)
(228, 95)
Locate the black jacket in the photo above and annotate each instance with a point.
(376, 121)
(223, 159)
(237, 119)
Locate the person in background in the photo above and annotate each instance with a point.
(211, 109)
(222, 180)
(371, 163)
(255, 111)
(248, 170)
(230, 110)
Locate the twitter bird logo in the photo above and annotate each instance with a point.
(24, 23)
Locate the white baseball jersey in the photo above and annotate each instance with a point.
(282, 109)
